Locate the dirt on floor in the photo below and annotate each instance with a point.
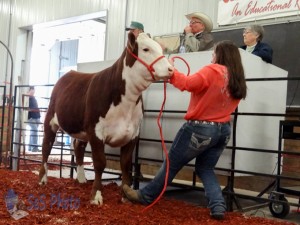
(65, 201)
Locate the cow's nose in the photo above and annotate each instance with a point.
(171, 69)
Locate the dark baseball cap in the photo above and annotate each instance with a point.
(135, 25)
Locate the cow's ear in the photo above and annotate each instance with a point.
(131, 40)
(132, 47)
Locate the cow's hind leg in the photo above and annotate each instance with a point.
(79, 148)
(99, 162)
(49, 138)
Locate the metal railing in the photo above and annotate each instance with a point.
(18, 145)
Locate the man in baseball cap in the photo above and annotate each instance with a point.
(136, 28)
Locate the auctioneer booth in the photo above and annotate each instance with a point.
(254, 129)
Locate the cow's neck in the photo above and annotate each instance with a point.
(135, 83)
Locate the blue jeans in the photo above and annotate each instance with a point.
(204, 142)
(33, 139)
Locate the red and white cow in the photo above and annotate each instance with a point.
(104, 108)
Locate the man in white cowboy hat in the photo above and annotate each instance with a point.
(136, 28)
(197, 35)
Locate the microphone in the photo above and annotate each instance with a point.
(182, 37)
(182, 40)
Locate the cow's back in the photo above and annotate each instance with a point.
(68, 100)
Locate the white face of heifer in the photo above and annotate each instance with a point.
(149, 51)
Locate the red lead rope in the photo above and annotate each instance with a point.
(163, 140)
(165, 151)
(187, 65)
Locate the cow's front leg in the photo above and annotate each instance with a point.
(99, 162)
(79, 149)
(126, 162)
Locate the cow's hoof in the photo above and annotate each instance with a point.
(43, 174)
(98, 200)
(81, 180)
(80, 174)
(124, 200)
(44, 180)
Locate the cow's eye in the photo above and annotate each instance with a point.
(146, 49)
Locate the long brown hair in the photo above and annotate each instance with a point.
(227, 54)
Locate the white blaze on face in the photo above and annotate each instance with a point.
(80, 174)
(149, 51)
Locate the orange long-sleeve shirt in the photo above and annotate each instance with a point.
(210, 99)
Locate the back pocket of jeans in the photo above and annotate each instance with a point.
(198, 142)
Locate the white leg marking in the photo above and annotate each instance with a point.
(80, 174)
(44, 178)
(98, 199)
(124, 200)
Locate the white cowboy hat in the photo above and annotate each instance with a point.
(204, 18)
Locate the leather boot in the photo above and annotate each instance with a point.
(131, 194)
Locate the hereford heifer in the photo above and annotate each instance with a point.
(104, 108)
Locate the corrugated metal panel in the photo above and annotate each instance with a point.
(165, 17)
(50, 10)
(39, 11)
(29, 12)
(4, 27)
(159, 17)
(115, 29)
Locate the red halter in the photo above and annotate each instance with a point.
(149, 67)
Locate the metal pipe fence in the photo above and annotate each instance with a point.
(19, 144)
